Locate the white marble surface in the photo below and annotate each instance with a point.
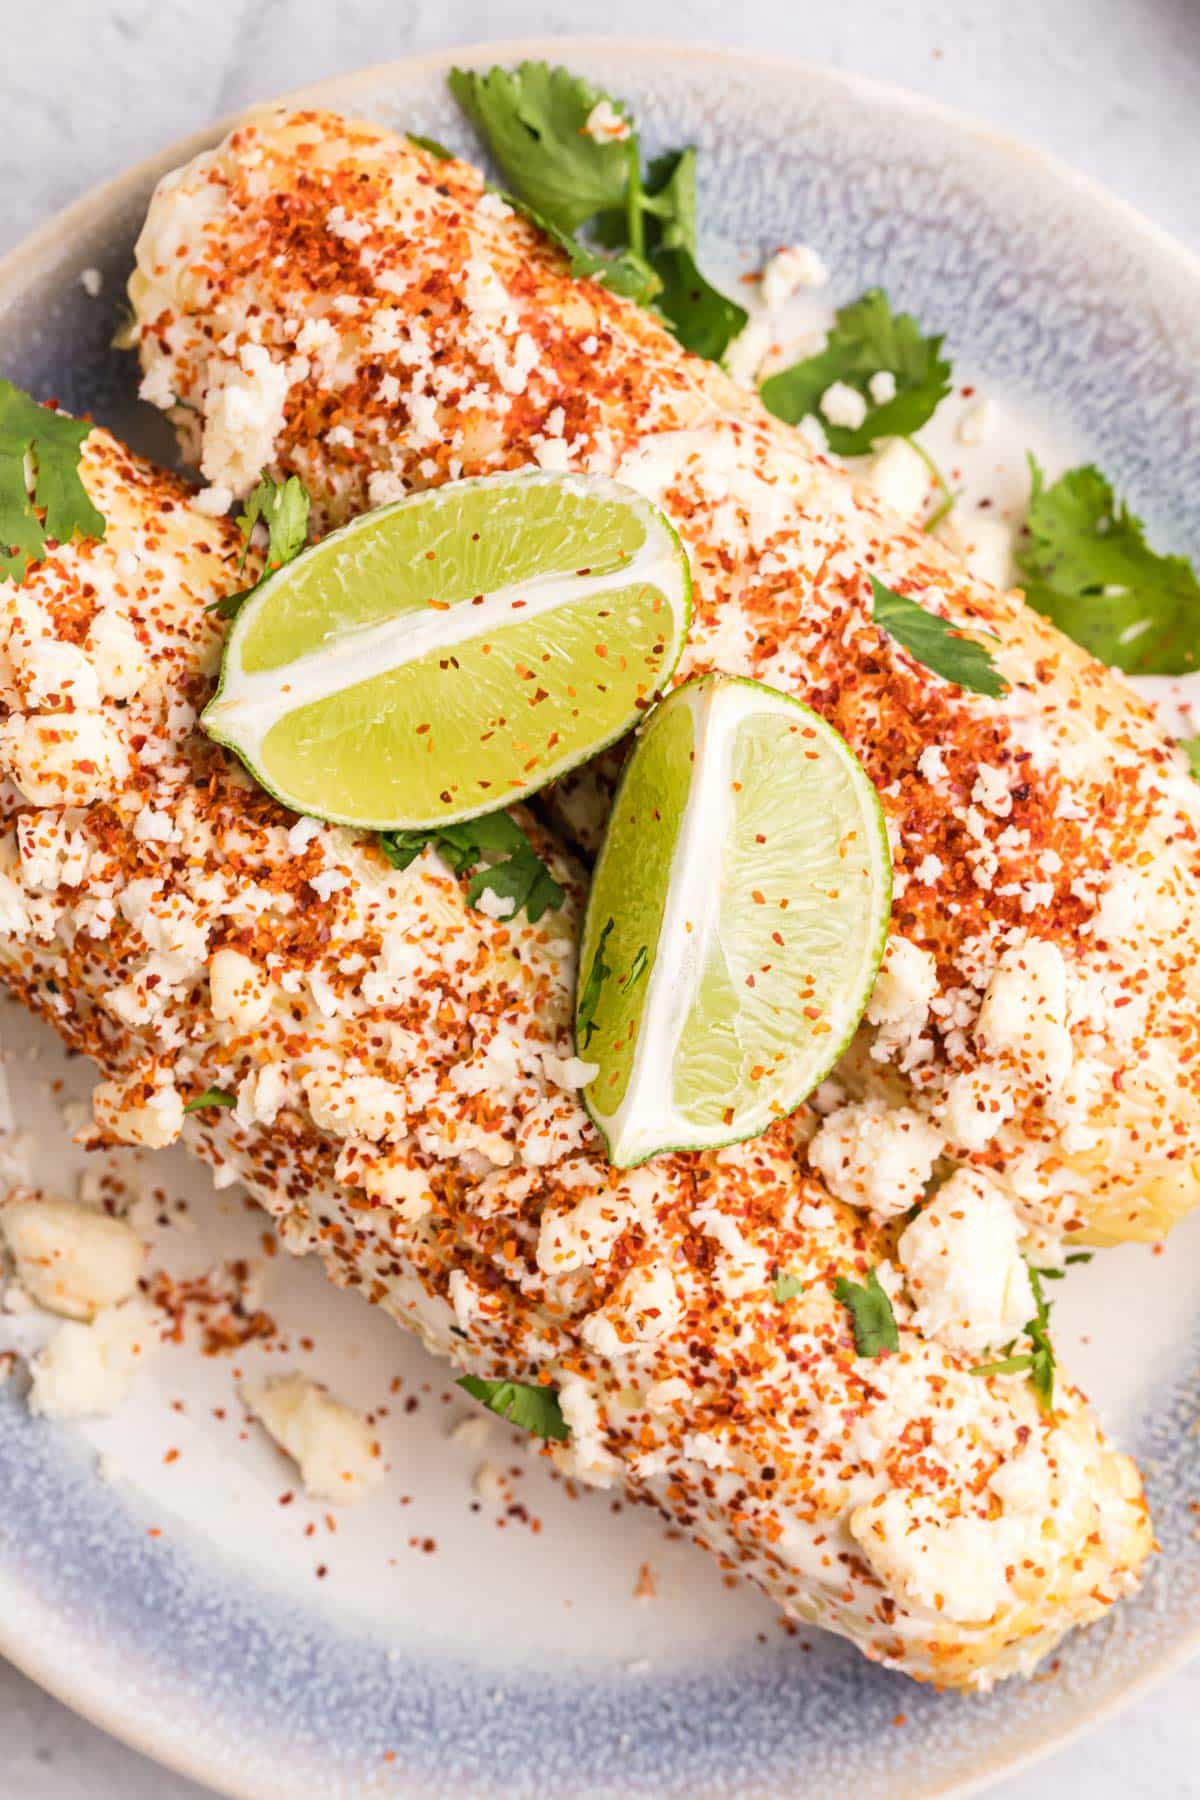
(89, 86)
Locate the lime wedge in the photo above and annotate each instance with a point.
(738, 913)
(448, 654)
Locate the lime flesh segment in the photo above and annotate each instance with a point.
(454, 652)
(647, 813)
(747, 853)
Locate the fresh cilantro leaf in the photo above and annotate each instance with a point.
(283, 509)
(39, 467)
(703, 319)
(1008, 1365)
(625, 273)
(1041, 1372)
(1191, 749)
(522, 877)
(867, 339)
(786, 1287)
(438, 151)
(1076, 1256)
(589, 995)
(871, 1315)
(531, 1407)
(637, 968)
(403, 847)
(466, 843)
(669, 198)
(1087, 566)
(210, 1097)
(231, 605)
(945, 504)
(533, 121)
(1038, 1361)
(936, 643)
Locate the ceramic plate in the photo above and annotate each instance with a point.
(488, 1635)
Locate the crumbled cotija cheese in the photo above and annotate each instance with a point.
(899, 478)
(876, 1156)
(70, 1258)
(243, 414)
(605, 124)
(843, 405)
(962, 1257)
(790, 269)
(62, 758)
(642, 1310)
(955, 1567)
(239, 989)
(1024, 1011)
(336, 1451)
(135, 1114)
(907, 983)
(86, 1371)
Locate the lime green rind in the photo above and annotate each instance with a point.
(654, 1094)
(626, 524)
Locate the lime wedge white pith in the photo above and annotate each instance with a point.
(453, 652)
(747, 878)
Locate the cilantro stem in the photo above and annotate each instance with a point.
(946, 504)
(635, 223)
(1011, 1365)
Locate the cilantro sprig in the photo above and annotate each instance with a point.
(867, 338)
(438, 151)
(871, 1315)
(659, 220)
(1088, 568)
(42, 498)
(529, 1406)
(1076, 1256)
(1038, 1360)
(283, 508)
(589, 994)
(210, 1097)
(936, 643)
(521, 876)
(599, 974)
(637, 968)
(624, 273)
(534, 121)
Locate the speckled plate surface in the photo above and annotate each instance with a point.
(177, 1602)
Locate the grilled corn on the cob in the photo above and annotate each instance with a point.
(406, 1106)
(323, 297)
